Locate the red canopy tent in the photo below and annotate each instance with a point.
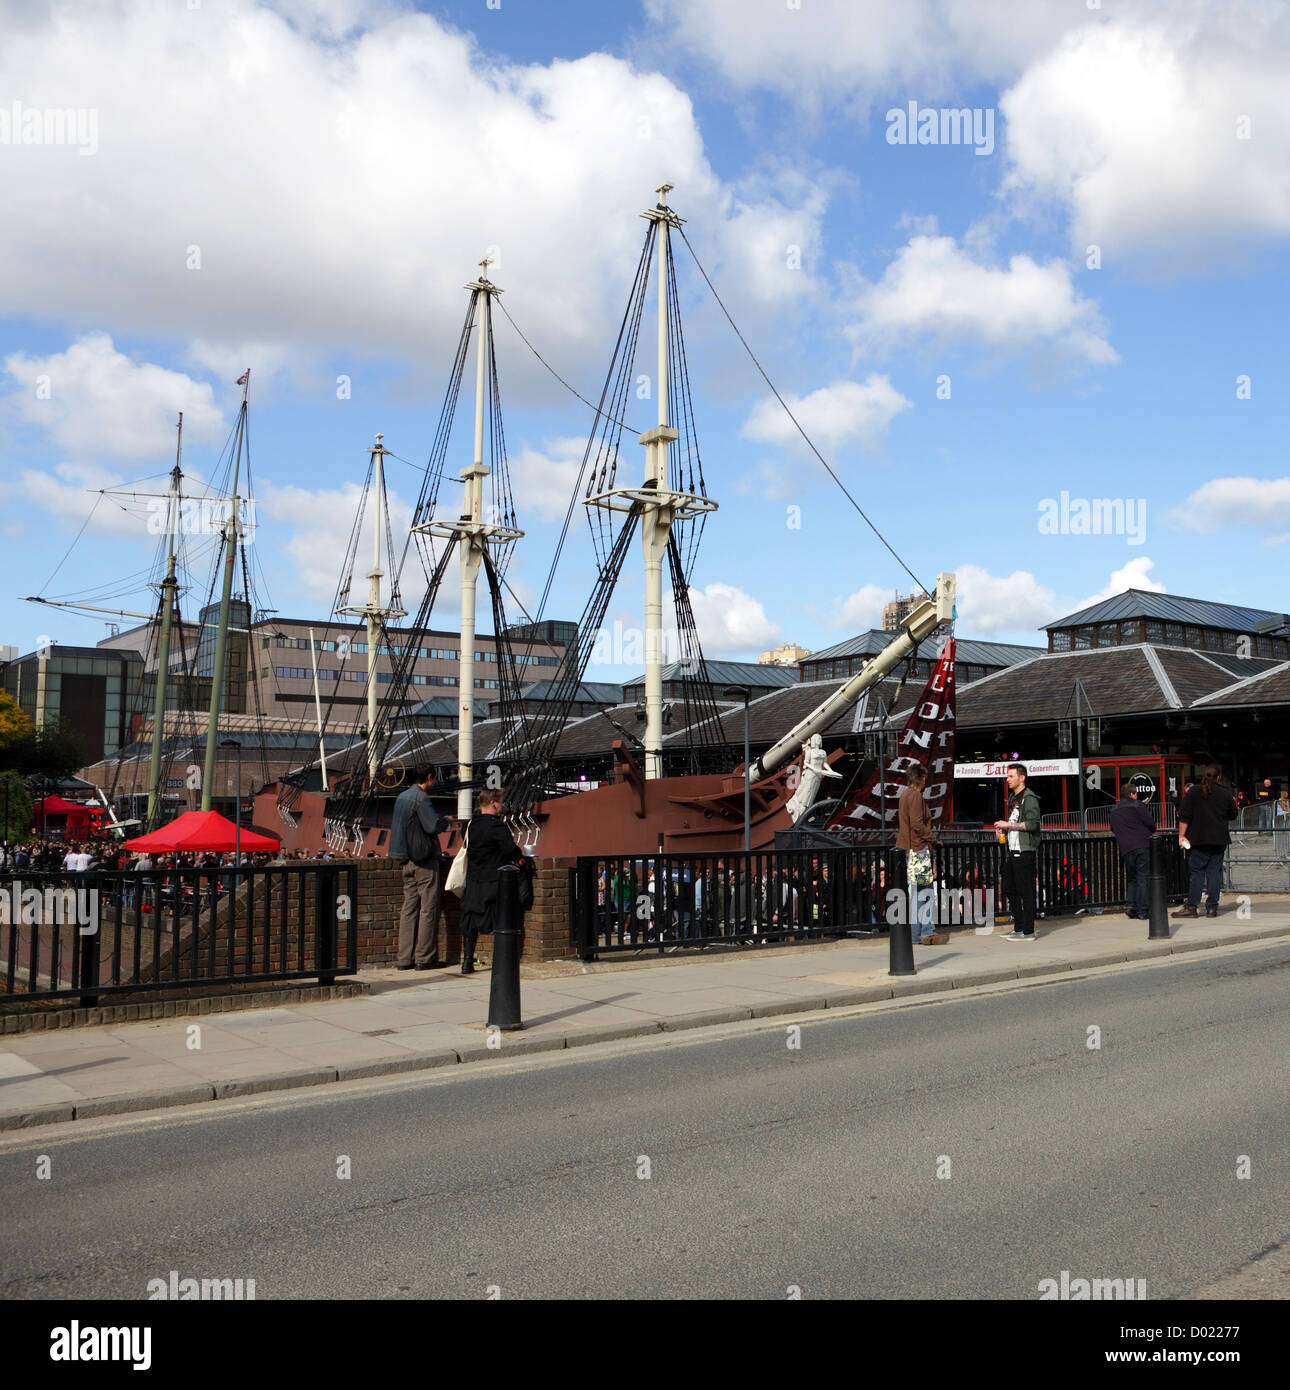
(78, 816)
(203, 830)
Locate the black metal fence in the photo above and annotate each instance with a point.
(116, 932)
(662, 902)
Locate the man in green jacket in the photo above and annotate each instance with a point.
(1021, 836)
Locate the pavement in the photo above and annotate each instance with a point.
(415, 1020)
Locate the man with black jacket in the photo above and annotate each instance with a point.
(1203, 819)
(414, 843)
(1133, 826)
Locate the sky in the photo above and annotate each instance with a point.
(991, 255)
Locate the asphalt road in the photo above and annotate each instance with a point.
(769, 1168)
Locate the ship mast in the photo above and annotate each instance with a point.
(475, 535)
(376, 615)
(231, 535)
(169, 585)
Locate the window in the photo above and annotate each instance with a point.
(1082, 638)
(1174, 634)
(488, 685)
(293, 673)
(1108, 634)
(1061, 640)
(1229, 642)
(1264, 646)
(1155, 630)
(1192, 633)
(1211, 639)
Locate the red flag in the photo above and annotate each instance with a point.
(927, 740)
(242, 380)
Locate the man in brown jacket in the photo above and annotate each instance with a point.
(914, 835)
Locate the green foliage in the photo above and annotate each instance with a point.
(54, 751)
(14, 724)
(16, 825)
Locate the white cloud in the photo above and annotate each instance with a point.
(989, 603)
(93, 400)
(843, 413)
(312, 529)
(67, 491)
(935, 289)
(542, 481)
(1135, 128)
(731, 623)
(1257, 502)
(850, 50)
(338, 184)
(862, 610)
(1134, 575)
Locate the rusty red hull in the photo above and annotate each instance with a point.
(699, 814)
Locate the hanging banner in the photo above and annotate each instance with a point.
(1039, 767)
(927, 740)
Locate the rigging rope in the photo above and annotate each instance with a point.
(794, 419)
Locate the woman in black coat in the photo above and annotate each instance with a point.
(490, 845)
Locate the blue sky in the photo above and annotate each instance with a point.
(338, 167)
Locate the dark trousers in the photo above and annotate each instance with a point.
(469, 940)
(1137, 871)
(1206, 866)
(1019, 885)
(419, 917)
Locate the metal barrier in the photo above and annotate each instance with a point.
(1258, 860)
(117, 932)
(662, 902)
(1096, 820)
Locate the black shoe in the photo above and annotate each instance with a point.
(467, 969)
(435, 964)
(1131, 913)
(1185, 912)
(1211, 912)
(403, 967)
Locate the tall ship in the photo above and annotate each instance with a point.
(679, 780)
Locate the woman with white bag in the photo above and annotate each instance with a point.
(487, 845)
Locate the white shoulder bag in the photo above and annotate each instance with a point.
(456, 880)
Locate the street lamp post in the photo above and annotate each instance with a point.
(740, 692)
(237, 815)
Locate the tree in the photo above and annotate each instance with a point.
(15, 808)
(53, 752)
(15, 727)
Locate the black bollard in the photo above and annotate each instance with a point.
(504, 982)
(1158, 900)
(901, 958)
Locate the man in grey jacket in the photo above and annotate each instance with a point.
(414, 843)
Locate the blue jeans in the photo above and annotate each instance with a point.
(1136, 870)
(1206, 865)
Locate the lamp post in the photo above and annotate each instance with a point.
(237, 818)
(740, 692)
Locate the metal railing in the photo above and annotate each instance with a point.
(1096, 820)
(662, 902)
(68, 934)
